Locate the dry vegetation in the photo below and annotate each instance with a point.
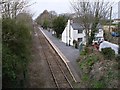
(98, 71)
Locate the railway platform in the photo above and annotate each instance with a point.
(68, 53)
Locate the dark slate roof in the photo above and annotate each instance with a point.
(76, 26)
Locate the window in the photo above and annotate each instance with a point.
(79, 39)
(80, 31)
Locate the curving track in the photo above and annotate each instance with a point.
(59, 71)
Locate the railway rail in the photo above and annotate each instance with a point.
(59, 71)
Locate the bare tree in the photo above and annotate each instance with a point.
(10, 8)
(90, 14)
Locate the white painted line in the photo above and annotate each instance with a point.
(65, 60)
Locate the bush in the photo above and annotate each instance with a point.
(98, 84)
(108, 53)
(76, 46)
(16, 40)
(85, 77)
(86, 65)
(117, 58)
(59, 24)
(75, 43)
(85, 51)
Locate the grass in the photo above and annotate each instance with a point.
(89, 61)
(85, 77)
(98, 84)
(83, 53)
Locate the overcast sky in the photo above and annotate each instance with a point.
(60, 6)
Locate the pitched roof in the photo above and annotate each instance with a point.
(76, 26)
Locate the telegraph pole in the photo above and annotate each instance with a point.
(119, 27)
(110, 23)
(119, 37)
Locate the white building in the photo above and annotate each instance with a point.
(116, 21)
(74, 31)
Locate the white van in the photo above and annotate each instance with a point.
(106, 44)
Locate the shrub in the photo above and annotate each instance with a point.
(59, 24)
(86, 65)
(85, 77)
(98, 84)
(118, 60)
(108, 53)
(117, 57)
(16, 41)
(85, 51)
(74, 42)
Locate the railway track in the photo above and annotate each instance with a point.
(59, 71)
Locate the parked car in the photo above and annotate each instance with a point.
(115, 34)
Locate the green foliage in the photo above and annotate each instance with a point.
(99, 73)
(98, 84)
(45, 24)
(75, 43)
(118, 58)
(59, 24)
(16, 38)
(108, 53)
(87, 63)
(85, 77)
(85, 51)
(91, 60)
(93, 30)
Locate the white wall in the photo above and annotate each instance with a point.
(65, 34)
(77, 35)
(74, 35)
